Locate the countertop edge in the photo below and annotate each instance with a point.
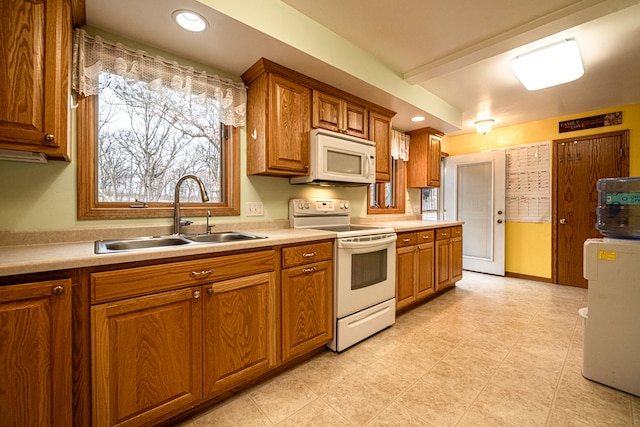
(39, 258)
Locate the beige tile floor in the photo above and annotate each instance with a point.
(492, 352)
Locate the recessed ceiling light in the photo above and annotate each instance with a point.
(417, 119)
(549, 66)
(190, 20)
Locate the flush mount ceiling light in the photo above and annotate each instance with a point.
(484, 126)
(417, 119)
(190, 20)
(549, 66)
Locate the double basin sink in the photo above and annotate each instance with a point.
(125, 245)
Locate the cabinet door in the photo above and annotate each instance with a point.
(380, 132)
(456, 259)
(424, 267)
(35, 354)
(443, 264)
(356, 120)
(239, 331)
(289, 126)
(146, 357)
(405, 276)
(35, 42)
(327, 111)
(433, 162)
(307, 308)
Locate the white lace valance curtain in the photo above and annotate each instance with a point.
(399, 145)
(93, 55)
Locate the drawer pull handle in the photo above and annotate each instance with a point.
(201, 273)
(425, 237)
(309, 270)
(309, 254)
(406, 240)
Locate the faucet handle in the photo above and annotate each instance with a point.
(185, 222)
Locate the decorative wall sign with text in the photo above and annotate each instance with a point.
(598, 121)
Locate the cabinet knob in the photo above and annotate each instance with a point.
(196, 294)
(210, 291)
(58, 290)
(563, 221)
(50, 137)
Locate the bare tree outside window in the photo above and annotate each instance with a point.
(148, 138)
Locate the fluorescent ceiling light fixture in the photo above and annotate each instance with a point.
(549, 66)
(417, 118)
(190, 20)
(484, 126)
(23, 156)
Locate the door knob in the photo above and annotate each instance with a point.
(563, 221)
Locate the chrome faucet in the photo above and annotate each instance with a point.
(176, 200)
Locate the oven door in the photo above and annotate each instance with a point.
(365, 272)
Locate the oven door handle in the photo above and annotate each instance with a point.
(349, 244)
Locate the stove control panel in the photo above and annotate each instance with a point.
(318, 207)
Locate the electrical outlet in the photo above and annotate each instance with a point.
(255, 209)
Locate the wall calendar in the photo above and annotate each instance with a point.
(528, 186)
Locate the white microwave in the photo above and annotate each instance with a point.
(337, 159)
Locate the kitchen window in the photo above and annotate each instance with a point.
(143, 123)
(389, 197)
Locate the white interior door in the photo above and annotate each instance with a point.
(475, 193)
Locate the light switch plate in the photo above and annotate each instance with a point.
(255, 209)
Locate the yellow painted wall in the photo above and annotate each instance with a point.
(528, 245)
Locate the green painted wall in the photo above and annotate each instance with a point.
(528, 245)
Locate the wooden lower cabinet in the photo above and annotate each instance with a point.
(35, 354)
(307, 307)
(158, 351)
(239, 331)
(307, 298)
(414, 267)
(147, 357)
(448, 256)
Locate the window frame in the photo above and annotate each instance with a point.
(90, 208)
(399, 181)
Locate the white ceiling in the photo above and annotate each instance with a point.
(457, 50)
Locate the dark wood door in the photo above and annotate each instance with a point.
(579, 163)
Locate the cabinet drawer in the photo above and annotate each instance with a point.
(406, 239)
(425, 236)
(130, 282)
(456, 231)
(443, 233)
(305, 254)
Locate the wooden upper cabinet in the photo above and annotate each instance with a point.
(424, 158)
(35, 75)
(283, 105)
(35, 354)
(380, 132)
(338, 115)
(278, 125)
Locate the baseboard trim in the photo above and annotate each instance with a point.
(528, 277)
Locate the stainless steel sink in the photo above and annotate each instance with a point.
(125, 245)
(106, 246)
(221, 237)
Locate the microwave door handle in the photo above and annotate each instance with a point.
(368, 168)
